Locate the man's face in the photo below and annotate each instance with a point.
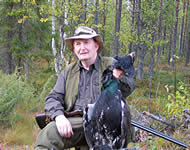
(86, 49)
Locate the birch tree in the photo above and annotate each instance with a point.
(58, 54)
(54, 50)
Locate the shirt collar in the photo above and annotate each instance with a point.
(96, 64)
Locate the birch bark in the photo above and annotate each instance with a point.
(54, 51)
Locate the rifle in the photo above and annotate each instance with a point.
(160, 134)
(43, 119)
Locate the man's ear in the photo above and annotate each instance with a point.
(97, 46)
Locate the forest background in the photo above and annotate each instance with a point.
(33, 52)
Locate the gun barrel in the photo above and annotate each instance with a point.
(157, 133)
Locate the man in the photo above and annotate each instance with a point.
(77, 85)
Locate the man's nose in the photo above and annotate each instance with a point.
(82, 46)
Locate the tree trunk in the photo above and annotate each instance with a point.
(54, 51)
(117, 25)
(188, 49)
(62, 49)
(9, 39)
(59, 54)
(81, 13)
(140, 66)
(85, 12)
(159, 32)
(9, 55)
(26, 60)
(132, 23)
(140, 46)
(188, 44)
(26, 69)
(19, 51)
(151, 65)
(164, 38)
(62, 35)
(103, 24)
(136, 25)
(170, 42)
(175, 35)
(181, 31)
(96, 14)
(65, 13)
(20, 37)
(185, 28)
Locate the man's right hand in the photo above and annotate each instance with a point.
(64, 126)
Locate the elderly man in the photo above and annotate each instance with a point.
(77, 86)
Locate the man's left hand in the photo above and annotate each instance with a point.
(118, 73)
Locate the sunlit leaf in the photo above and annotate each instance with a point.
(33, 2)
(44, 19)
(20, 20)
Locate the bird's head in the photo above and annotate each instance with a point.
(125, 63)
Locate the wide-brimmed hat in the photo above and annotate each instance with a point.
(84, 32)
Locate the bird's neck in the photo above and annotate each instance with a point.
(113, 86)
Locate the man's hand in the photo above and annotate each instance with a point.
(64, 126)
(118, 73)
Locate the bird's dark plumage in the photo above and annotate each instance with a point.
(125, 63)
(107, 121)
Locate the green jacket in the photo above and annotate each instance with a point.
(72, 80)
(65, 92)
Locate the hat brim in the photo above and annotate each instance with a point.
(69, 41)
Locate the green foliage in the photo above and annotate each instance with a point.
(178, 101)
(23, 31)
(13, 91)
(47, 87)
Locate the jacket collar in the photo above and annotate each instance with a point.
(95, 65)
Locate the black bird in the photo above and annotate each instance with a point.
(107, 122)
(125, 63)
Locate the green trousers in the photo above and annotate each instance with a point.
(49, 138)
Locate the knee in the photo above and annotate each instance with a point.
(46, 136)
(51, 129)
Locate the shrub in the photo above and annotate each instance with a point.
(13, 91)
(180, 100)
